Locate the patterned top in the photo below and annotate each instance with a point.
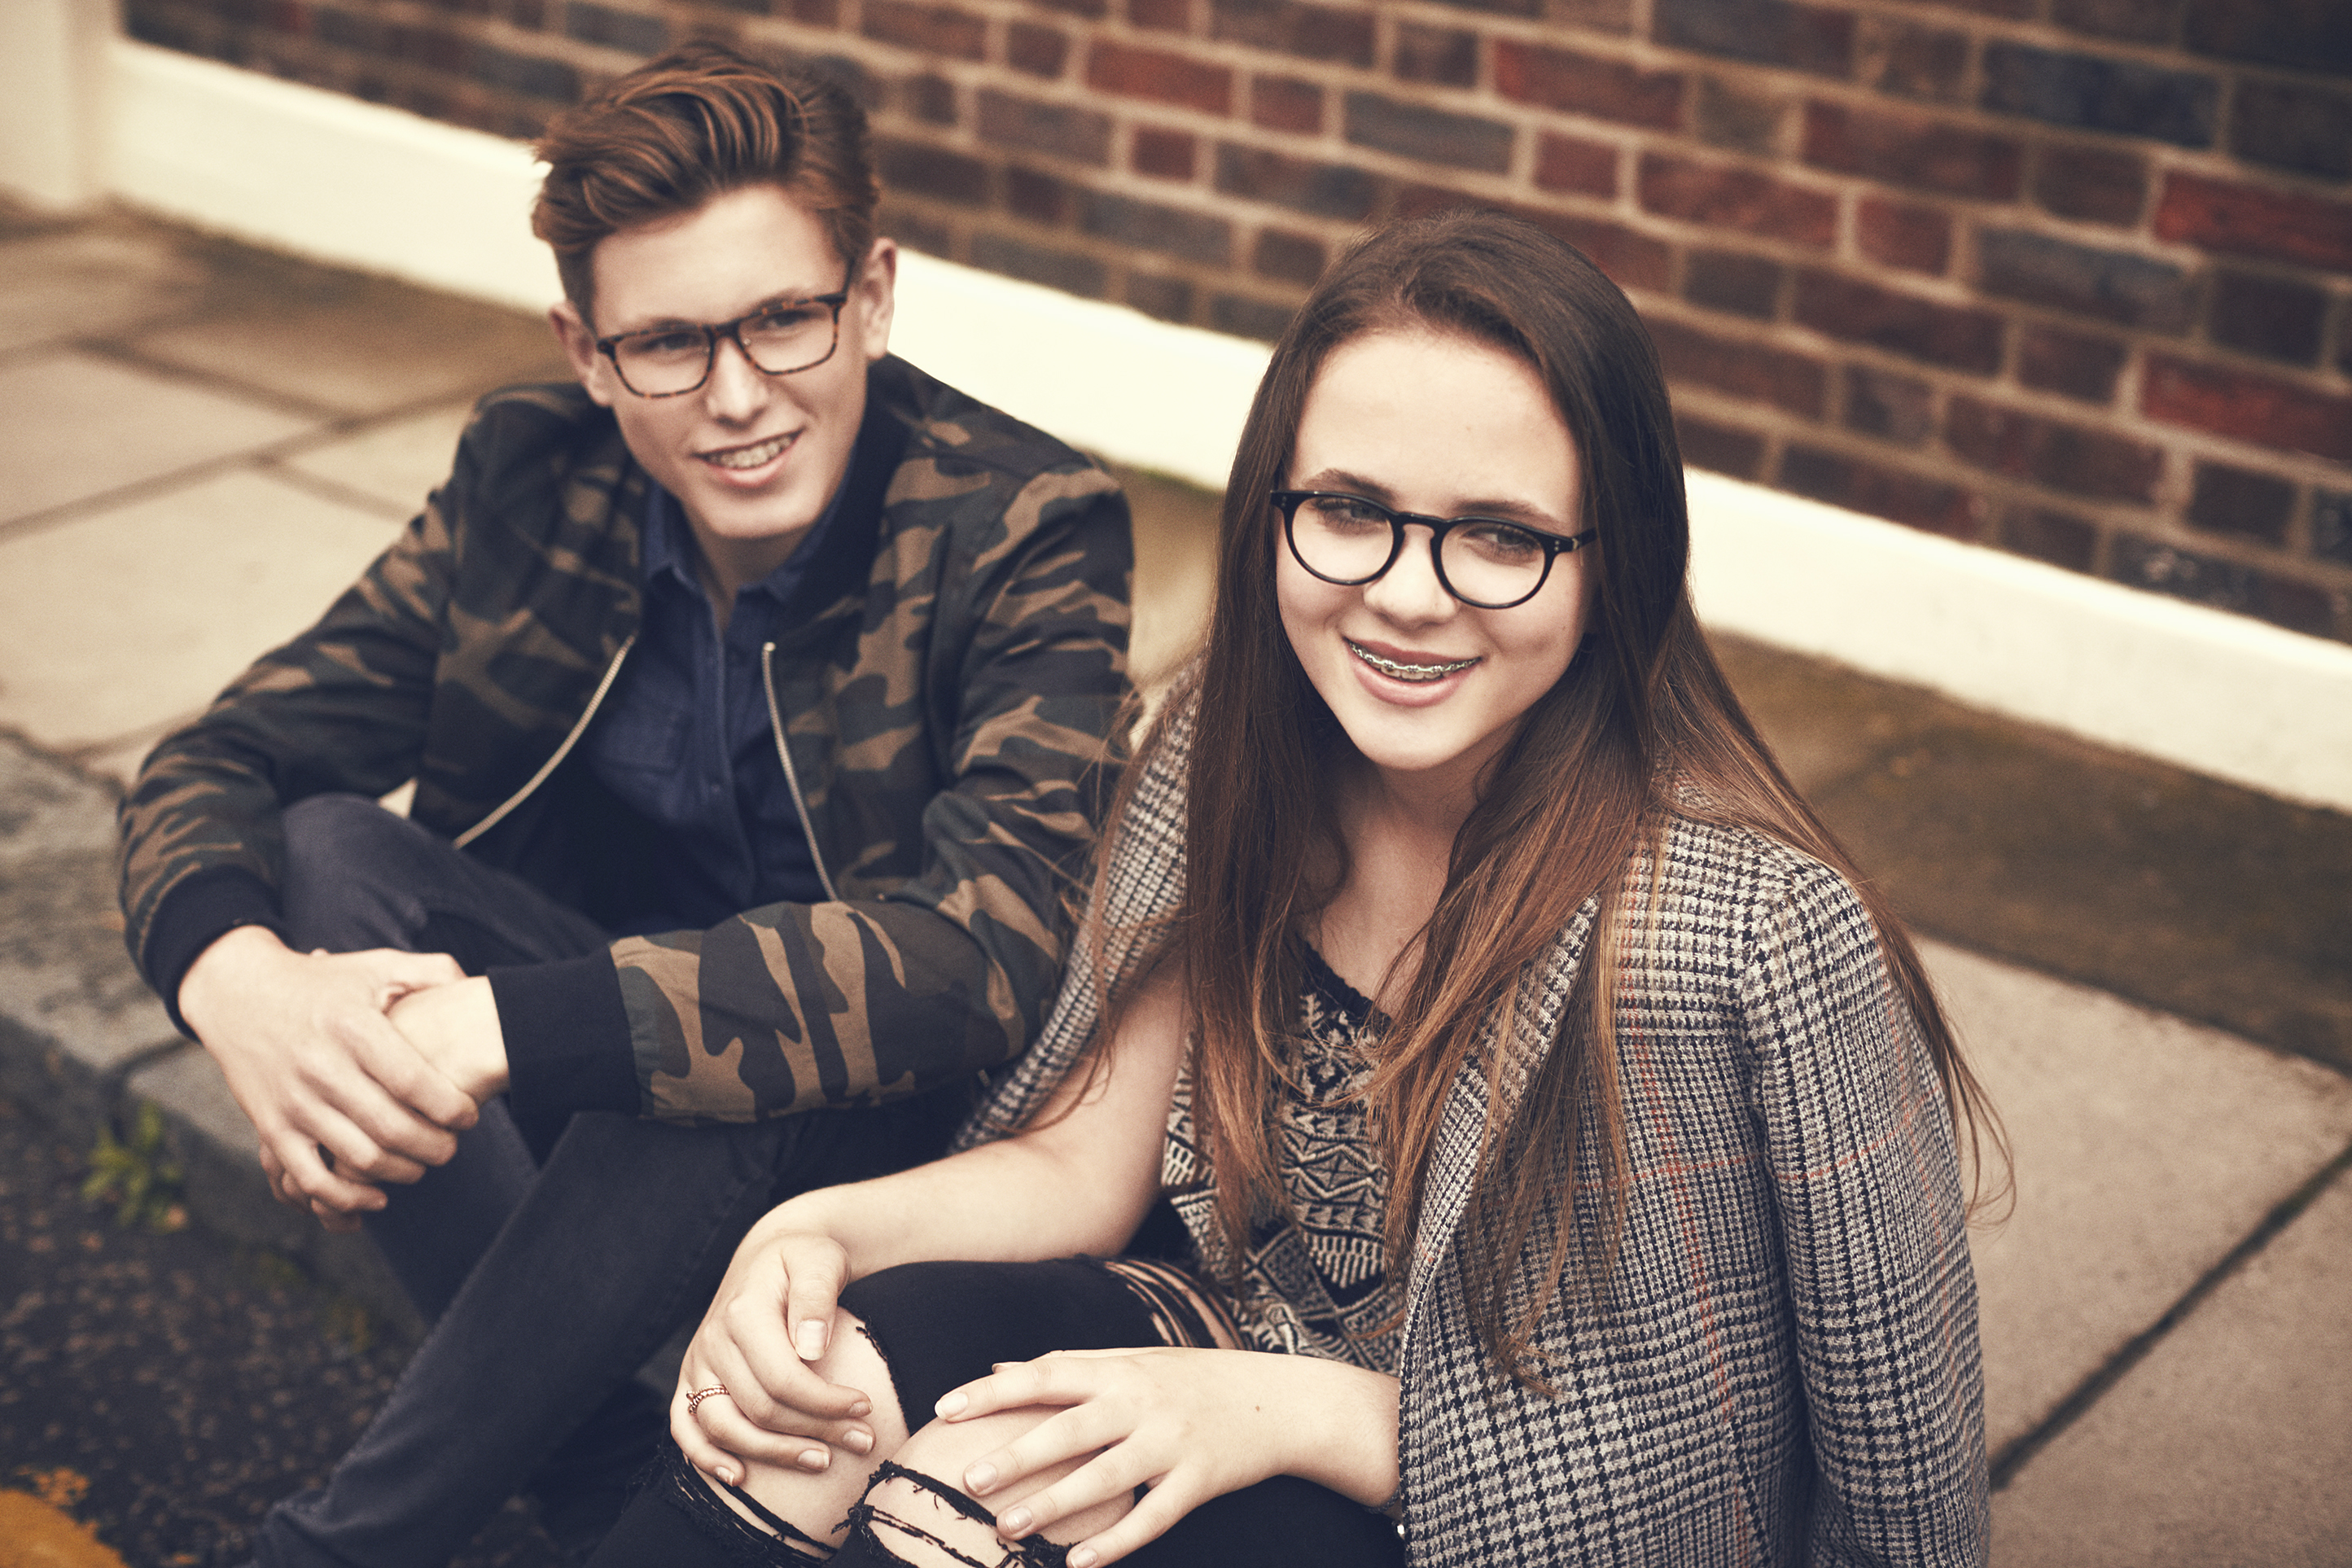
(1312, 1283)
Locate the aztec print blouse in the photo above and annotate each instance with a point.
(1312, 1284)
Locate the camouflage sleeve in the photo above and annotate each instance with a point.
(795, 1006)
(342, 707)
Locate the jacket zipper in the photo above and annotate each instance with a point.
(595, 700)
(792, 778)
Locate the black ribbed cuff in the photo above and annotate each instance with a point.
(567, 1035)
(196, 914)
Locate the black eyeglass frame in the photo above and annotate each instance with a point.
(1554, 545)
(733, 332)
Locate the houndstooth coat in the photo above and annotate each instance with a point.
(1784, 1367)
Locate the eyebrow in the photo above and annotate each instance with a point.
(1501, 510)
(664, 323)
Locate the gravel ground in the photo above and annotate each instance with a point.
(191, 1381)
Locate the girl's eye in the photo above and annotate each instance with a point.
(1500, 541)
(1347, 512)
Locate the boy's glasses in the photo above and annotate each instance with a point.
(782, 339)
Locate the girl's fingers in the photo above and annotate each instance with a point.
(1145, 1523)
(1111, 1475)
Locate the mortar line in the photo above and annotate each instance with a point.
(2020, 1450)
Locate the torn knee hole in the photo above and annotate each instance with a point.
(917, 1519)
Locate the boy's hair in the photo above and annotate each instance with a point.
(690, 125)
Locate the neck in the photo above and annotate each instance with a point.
(726, 566)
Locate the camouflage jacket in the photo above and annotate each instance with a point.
(941, 711)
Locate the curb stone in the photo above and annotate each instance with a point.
(83, 1041)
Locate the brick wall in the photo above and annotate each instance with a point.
(2068, 278)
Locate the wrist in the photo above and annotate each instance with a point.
(224, 970)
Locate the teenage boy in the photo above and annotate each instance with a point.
(756, 691)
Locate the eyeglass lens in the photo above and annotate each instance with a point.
(677, 359)
(1349, 539)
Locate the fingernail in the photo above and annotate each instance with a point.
(1084, 1557)
(860, 1408)
(979, 1478)
(811, 1343)
(1017, 1521)
(950, 1404)
(726, 1476)
(815, 1458)
(859, 1441)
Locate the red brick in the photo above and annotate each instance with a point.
(1060, 129)
(2277, 318)
(2224, 584)
(921, 169)
(816, 13)
(1038, 50)
(2070, 457)
(1160, 76)
(1090, 8)
(1769, 32)
(933, 29)
(1164, 154)
(1161, 15)
(1296, 27)
(1725, 448)
(1916, 500)
(1325, 190)
(2060, 538)
(1630, 258)
(1907, 150)
(2241, 501)
(2075, 363)
(1905, 60)
(1756, 372)
(1286, 103)
(1588, 84)
(929, 98)
(1445, 56)
(1925, 329)
(1725, 197)
(1039, 197)
(1289, 258)
(1730, 280)
(2096, 185)
(2248, 408)
(1573, 164)
(1898, 408)
(2247, 220)
(1917, 238)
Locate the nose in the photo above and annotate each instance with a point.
(736, 389)
(1409, 591)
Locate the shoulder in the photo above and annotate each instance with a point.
(960, 439)
(540, 420)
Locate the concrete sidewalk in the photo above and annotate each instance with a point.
(205, 444)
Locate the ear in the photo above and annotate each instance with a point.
(875, 298)
(579, 340)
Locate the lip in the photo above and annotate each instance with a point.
(757, 474)
(1400, 691)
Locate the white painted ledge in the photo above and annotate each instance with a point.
(329, 176)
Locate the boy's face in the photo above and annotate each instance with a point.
(752, 458)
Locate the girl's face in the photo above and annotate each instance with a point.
(1430, 689)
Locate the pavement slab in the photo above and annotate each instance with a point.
(81, 425)
(2226, 1447)
(116, 623)
(60, 286)
(393, 464)
(2144, 1149)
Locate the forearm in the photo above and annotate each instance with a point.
(1013, 1201)
(1343, 1423)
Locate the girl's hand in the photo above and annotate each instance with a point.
(771, 1322)
(1191, 1425)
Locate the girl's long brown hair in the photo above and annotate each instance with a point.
(1643, 725)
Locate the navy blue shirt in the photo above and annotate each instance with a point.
(685, 740)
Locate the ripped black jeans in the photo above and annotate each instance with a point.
(941, 1325)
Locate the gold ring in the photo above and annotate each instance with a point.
(694, 1400)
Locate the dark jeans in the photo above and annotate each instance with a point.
(941, 1325)
(548, 1283)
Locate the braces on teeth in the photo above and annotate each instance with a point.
(1391, 669)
